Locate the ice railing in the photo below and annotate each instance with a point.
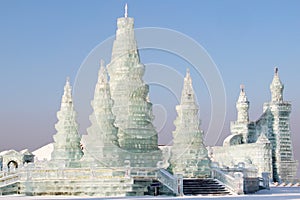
(234, 183)
(7, 178)
(51, 173)
(174, 183)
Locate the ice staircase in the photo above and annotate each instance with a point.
(204, 187)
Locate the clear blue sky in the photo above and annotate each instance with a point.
(42, 42)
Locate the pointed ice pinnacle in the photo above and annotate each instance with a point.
(101, 145)
(187, 92)
(276, 71)
(243, 98)
(67, 140)
(276, 88)
(189, 155)
(67, 96)
(242, 87)
(126, 11)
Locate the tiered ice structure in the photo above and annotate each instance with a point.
(67, 150)
(189, 155)
(101, 146)
(136, 135)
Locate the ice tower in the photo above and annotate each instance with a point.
(189, 155)
(279, 134)
(242, 128)
(136, 135)
(67, 148)
(101, 143)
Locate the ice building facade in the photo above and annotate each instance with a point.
(265, 143)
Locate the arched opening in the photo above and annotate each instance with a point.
(12, 165)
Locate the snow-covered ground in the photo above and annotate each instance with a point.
(276, 193)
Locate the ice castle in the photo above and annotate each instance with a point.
(120, 156)
(264, 143)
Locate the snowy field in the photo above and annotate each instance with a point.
(276, 193)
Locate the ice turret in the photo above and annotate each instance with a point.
(189, 155)
(67, 148)
(242, 106)
(242, 128)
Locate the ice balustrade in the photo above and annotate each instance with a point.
(73, 173)
(233, 183)
(9, 178)
(174, 183)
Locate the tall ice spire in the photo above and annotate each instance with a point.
(189, 155)
(67, 140)
(133, 111)
(100, 144)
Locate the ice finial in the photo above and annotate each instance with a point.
(67, 88)
(242, 87)
(126, 10)
(188, 76)
(188, 71)
(276, 71)
(242, 98)
(187, 92)
(188, 79)
(276, 87)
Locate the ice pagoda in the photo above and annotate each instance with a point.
(189, 155)
(101, 147)
(136, 135)
(67, 150)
